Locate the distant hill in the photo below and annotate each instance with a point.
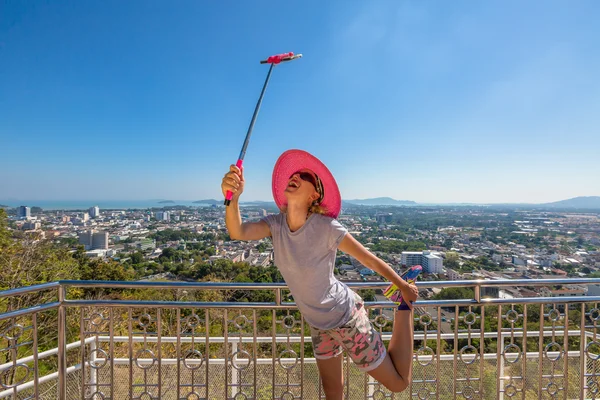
(166, 202)
(259, 203)
(582, 202)
(264, 204)
(381, 201)
(586, 202)
(3, 206)
(208, 201)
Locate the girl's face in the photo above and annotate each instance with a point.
(302, 187)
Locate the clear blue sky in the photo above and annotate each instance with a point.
(495, 101)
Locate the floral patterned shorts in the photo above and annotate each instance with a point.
(358, 337)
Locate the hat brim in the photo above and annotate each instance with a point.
(294, 160)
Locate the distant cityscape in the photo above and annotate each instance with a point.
(581, 202)
(451, 243)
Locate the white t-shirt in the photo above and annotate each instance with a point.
(306, 259)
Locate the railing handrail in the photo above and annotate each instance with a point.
(63, 285)
(63, 303)
(292, 305)
(283, 286)
(29, 289)
(358, 285)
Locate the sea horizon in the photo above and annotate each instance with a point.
(102, 204)
(50, 205)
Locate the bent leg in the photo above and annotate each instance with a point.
(332, 376)
(396, 370)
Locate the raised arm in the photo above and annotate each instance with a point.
(239, 230)
(351, 246)
(234, 181)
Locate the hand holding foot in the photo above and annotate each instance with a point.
(410, 293)
(406, 293)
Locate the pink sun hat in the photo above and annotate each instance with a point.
(294, 160)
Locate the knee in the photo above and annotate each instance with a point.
(396, 386)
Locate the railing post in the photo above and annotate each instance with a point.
(92, 362)
(501, 360)
(62, 344)
(278, 297)
(235, 378)
(478, 292)
(582, 355)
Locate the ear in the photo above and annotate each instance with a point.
(314, 196)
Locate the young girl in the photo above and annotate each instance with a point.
(306, 237)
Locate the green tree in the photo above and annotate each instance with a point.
(25, 262)
(4, 232)
(451, 260)
(31, 261)
(170, 254)
(69, 242)
(106, 271)
(455, 293)
(137, 258)
(586, 270)
(367, 294)
(261, 247)
(397, 246)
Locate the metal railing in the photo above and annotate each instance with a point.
(180, 340)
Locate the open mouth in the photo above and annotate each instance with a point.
(294, 183)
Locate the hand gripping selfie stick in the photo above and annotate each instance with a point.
(273, 60)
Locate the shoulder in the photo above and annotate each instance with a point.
(326, 220)
(332, 224)
(273, 219)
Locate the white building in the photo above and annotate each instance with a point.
(85, 238)
(453, 275)
(163, 216)
(519, 261)
(384, 217)
(100, 241)
(100, 253)
(94, 240)
(94, 212)
(31, 225)
(23, 212)
(431, 263)
(78, 221)
(546, 262)
(569, 291)
(593, 290)
(410, 258)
